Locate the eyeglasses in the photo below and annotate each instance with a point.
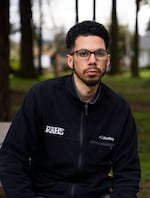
(84, 54)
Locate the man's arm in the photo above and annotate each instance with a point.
(16, 150)
(126, 166)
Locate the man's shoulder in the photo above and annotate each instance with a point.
(52, 83)
(48, 88)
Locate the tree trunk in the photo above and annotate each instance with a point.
(135, 63)
(94, 10)
(114, 40)
(27, 69)
(40, 39)
(76, 11)
(4, 60)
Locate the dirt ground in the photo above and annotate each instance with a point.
(144, 190)
(2, 194)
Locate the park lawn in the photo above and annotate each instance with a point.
(135, 90)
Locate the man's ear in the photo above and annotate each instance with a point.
(69, 60)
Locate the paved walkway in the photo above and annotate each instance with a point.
(4, 126)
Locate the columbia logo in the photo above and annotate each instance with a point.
(54, 130)
(106, 138)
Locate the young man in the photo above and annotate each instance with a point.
(73, 132)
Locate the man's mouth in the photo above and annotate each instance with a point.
(92, 71)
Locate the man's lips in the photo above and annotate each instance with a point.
(92, 70)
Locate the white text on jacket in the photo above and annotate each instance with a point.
(54, 130)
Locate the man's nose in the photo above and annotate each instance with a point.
(92, 58)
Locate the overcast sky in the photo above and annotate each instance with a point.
(62, 13)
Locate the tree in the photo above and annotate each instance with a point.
(148, 27)
(58, 53)
(114, 39)
(27, 69)
(135, 64)
(147, 2)
(40, 42)
(76, 11)
(4, 60)
(94, 10)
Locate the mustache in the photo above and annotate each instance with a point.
(90, 68)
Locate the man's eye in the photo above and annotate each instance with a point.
(83, 53)
(100, 53)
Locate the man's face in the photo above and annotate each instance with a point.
(88, 70)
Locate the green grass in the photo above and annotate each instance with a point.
(133, 89)
(137, 92)
(19, 84)
(143, 125)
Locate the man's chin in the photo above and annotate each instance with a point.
(91, 83)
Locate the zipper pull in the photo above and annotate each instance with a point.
(86, 108)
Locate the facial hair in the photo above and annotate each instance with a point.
(90, 82)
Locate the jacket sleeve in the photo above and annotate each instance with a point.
(17, 148)
(126, 166)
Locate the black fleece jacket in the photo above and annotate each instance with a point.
(60, 147)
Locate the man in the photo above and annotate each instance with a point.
(73, 132)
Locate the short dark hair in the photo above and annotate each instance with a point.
(86, 28)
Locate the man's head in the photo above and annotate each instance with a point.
(88, 57)
(86, 28)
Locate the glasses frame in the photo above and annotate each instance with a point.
(103, 57)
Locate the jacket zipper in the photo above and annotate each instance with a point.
(72, 190)
(81, 141)
(86, 108)
(83, 114)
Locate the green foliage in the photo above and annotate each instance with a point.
(14, 65)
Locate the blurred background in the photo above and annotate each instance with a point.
(32, 49)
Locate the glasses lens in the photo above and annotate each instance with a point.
(100, 54)
(83, 54)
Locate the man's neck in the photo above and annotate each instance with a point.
(86, 93)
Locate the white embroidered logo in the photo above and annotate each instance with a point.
(54, 130)
(106, 138)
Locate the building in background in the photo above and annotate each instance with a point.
(144, 57)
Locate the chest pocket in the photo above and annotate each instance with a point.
(99, 152)
(100, 143)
